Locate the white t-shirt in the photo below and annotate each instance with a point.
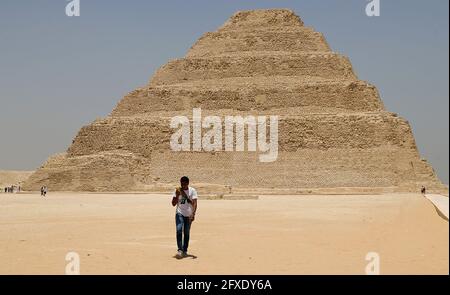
(183, 207)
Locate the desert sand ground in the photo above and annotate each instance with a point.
(135, 234)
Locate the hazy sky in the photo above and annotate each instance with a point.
(59, 73)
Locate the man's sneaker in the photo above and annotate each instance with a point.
(185, 254)
(180, 254)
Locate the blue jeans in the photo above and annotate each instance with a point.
(183, 224)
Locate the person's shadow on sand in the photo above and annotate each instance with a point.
(186, 256)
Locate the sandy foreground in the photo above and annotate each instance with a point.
(135, 234)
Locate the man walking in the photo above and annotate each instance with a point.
(185, 198)
(423, 190)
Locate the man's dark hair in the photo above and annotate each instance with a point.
(184, 179)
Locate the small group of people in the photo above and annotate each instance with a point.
(44, 191)
(12, 189)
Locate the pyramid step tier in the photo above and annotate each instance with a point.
(254, 94)
(382, 166)
(294, 40)
(263, 18)
(92, 172)
(251, 64)
(142, 134)
(385, 166)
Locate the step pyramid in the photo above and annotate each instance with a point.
(334, 132)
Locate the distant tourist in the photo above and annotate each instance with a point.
(185, 198)
(6, 190)
(45, 191)
(423, 190)
(42, 191)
